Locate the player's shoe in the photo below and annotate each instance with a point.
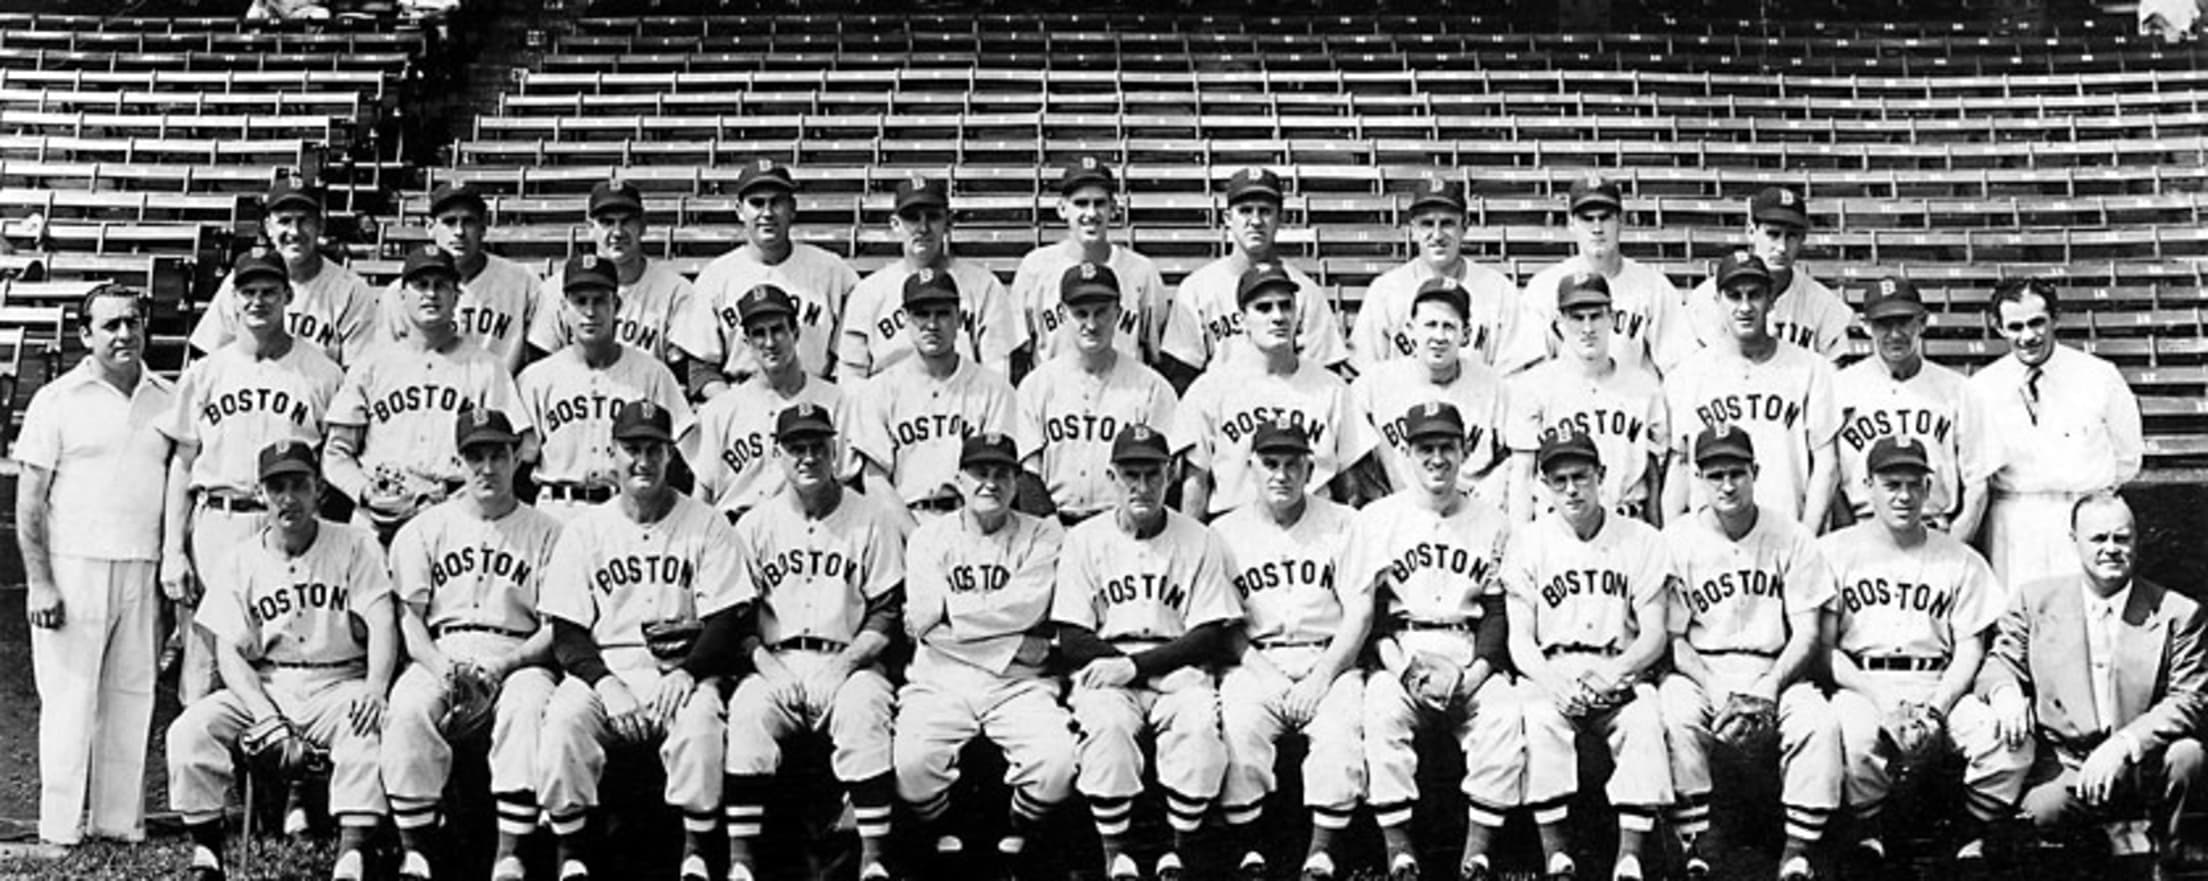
(739, 872)
(206, 866)
(1627, 869)
(1797, 869)
(574, 870)
(349, 867)
(1561, 868)
(1123, 869)
(1170, 867)
(1318, 867)
(1403, 867)
(694, 869)
(509, 868)
(414, 867)
(1252, 867)
(1475, 869)
(874, 871)
(1694, 867)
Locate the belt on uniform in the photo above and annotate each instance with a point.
(1458, 626)
(575, 492)
(937, 503)
(1579, 648)
(1760, 653)
(448, 629)
(312, 665)
(236, 504)
(1904, 663)
(809, 644)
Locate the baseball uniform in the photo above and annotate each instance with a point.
(1936, 406)
(2063, 430)
(1068, 416)
(650, 308)
(1807, 314)
(736, 435)
(1504, 334)
(1206, 326)
(334, 311)
(1144, 303)
(1785, 403)
(1214, 425)
(1732, 604)
(1384, 395)
(819, 281)
(495, 310)
(874, 338)
(1622, 411)
(404, 399)
(911, 424)
(572, 405)
(475, 582)
(1650, 318)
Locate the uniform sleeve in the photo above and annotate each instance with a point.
(696, 327)
(1185, 340)
(548, 331)
(1671, 339)
(1660, 437)
(998, 406)
(350, 405)
(1027, 298)
(1832, 328)
(885, 555)
(666, 391)
(712, 474)
(566, 593)
(1823, 416)
(222, 611)
(182, 422)
(1211, 596)
(1678, 612)
(217, 326)
(1654, 574)
(2125, 436)
(1520, 575)
(356, 325)
(1678, 392)
(1164, 406)
(1525, 336)
(1521, 428)
(501, 395)
(39, 442)
(1368, 334)
(1321, 339)
(1190, 434)
(926, 592)
(1000, 328)
(367, 576)
(1354, 436)
(1074, 602)
(410, 563)
(722, 583)
(1978, 454)
(1157, 305)
(845, 411)
(682, 298)
(1980, 595)
(1811, 582)
(1027, 415)
(854, 357)
(1362, 551)
(870, 422)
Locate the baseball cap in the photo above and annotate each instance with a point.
(291, 192)
(1439, 192)
(288, 456)
(1253, 183)
(643, 420)
(988, 448)
(615, 194)
(1274, 437)
(927, 286)
(1780, 205)
(1445, 289)
(1082, 172)
(803, 420)
(258, 263)
(1564, 448)
(764, 172)
(456, 195)
(1897, 453)
(1086, 282)
(1594, 190)
(921, 191)
(1582, 289)
(429, 260)
(586, 272)
(762, 301)
(1260, 278)
(1741, 266)
(482, 425)
(1139, 443)
(1723, 443)
(1891, 297)
(1433, 419)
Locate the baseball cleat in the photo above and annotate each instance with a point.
(1696, 868)
(1796, 869)
(509, 868)
(874, 871)
(1170, 868)
(1123, 869)
(414, 867)
(1318, 867)
(694, 869)
(574, 870)
(1403, 867)
(1252, 867)
(1476, 870)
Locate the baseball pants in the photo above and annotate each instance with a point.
(1640, 781)
(936, 718)
(1252, 719)
(1809, 745)
(2028, 536)
(571, 747)
(216, 532)
(856, 718)
(2164, 784)
(95, 698)
(1490, 730)
(1181, 711)
(417, 760)
(1993, 774)
(202, 737)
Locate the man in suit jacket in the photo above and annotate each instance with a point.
(2103, 677)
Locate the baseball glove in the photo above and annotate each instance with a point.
(1433, 682)
(1597, 696)
(470, 697)
(1748, 723)
(669, 640)
(1917, 730)
(274, 746)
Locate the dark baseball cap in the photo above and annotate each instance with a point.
(291, 192)
(988, 448)
(764, 172)
(1433, 419)
(615, 195)
(1439, 192)
(764, 301)
(456, 195)
(1723, 443)
(1273, 436)
(482, 425)
(1445, 289)
(1253, 183)
(1898, 454)
(1780, 205)
(1892, 297)
(1593, 190)
(1582, 288)
(1575, 446)
(1261, 278)
(927, 286)
(1139, 443)
(803, 420)
(258, 263)
(588, 272)
(1086, 282)
(921, 191)
(1741, 266)
(1085, 171)
(429, 260)
(288, 456)
(643, 420)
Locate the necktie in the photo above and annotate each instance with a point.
(2031, 392)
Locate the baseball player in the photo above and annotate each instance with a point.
(1803, 311)
(1297, 666)
(816, 281)
(1088, 202)
(390, 446)
(1439, 369)
(652, 296)
(1748, 617)
(1430, 556)
(1780, 393)
(1264, 380)
(261, 387)
(467, 575)
(1207, 308)
(1587, 597)
(874, 337)
(2067, 425)
(1587, 390)
(498, 297)
(1499, 330)
(572, 394)
(1143, 609)
(913, 418)
(1649, 318)
(1898, 393)
(88, 521)
(1915, 610)
(1073, 405)
(736, 430)
(645, 596)
(830, 569)
(977, 606)
(331, 306)
(306, 640)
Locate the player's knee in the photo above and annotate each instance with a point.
(2184, 761)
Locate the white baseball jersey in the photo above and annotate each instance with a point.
(1286, 577)
(1207, 321)
(1785, 404)
(1583, 591)
(1144, 302)
(1068, 417)
(1215, 425)
(460, 569)
(817, 280)
(875, 339)
(1504, 334)
(649, 310)
(1622, 411)
(572, 404)
(1735, 596)
(736, 436)
(405, 398)
(1433, 568)
(612, 575)
(2083, 434)
(1918, 601)
(298, 612)
(335, 311)
(1145, 590)
(913, 424)
(494, 313)
(815, 577)
(1936, 406)
(1384, 395)
(1807, 314)
(232, 405)
(1651, 328)
(971, 598)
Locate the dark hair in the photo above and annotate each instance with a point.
(2013, 290)
(81, 316)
